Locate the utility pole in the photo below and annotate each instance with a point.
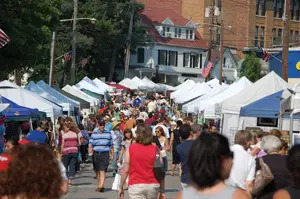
(210, 39)
(128, 39)
(221, 51)
(286, 38)
(73, 67)
(52, 60)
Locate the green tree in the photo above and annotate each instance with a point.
(29, 25)
(251, 68)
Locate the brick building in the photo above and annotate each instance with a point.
(253, 22)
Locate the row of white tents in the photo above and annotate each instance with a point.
(145, 84)
(224, 102)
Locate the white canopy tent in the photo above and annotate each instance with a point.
(31, 100)
(230, 108)
(3, 106)
(167, 87)
(209, 106)
(68, 107)
(208, 92)
(78, 93)
(129, 84)
(101, 84)
(150, 85)
(88, 84)
(182, 88)
(198, 90)
(8, 84)
(188, 82)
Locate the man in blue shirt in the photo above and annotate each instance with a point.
(183, 150)
(100, 144)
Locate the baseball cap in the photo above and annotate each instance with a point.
(36, 137)
(101, 122)
(4, 161)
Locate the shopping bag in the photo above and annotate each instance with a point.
(116, 183)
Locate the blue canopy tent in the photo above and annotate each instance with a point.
(16, 112)
(267, 107)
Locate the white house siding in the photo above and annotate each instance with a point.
(151, 59)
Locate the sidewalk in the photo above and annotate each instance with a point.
(84, 186)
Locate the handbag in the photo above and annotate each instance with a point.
(158, 167)
(263, 177)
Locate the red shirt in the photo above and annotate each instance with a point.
(141, 164)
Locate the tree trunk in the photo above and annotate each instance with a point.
(112, 63)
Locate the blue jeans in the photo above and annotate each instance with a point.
(69, 162)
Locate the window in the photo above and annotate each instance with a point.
(164, 31)
(194, 60)
(218, 36)
(201, 60)
(179, 32)
(191, 34)
(256, 35)
(275, 7)
(173, 58)
(291, 37)
(297, 10)
(296, 36)
(186, 58)
(168, 29)
(175, 35)
(140, 55)
(292, 9)
(280, 8)
(279, 36)
(224, 62)
(187, 34)
(262, 36)
(162, 57)
(261, 7)
(274, 36)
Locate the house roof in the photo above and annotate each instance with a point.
(154, 16)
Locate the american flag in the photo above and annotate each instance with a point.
(207, 67)
(84, 62)
(266, 56)
(4, 39)
(68, 56)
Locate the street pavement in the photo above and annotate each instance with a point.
(84, 185)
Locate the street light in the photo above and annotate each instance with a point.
(52, 52)
(77, 19)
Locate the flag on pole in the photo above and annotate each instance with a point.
(68, 56)
(4, 39)
(208, 65)
(84, 62)
(266, 56)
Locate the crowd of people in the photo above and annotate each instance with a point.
(133, 135)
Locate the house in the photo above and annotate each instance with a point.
(230, 65)
(177, 52)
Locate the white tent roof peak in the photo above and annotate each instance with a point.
(101, 84)
(8, 84)
(88, 84)
(267, 85)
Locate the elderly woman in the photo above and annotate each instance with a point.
(138, 164)
(277, 163)
(293, 162)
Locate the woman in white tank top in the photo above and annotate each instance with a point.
(164, 143)
(210, 162)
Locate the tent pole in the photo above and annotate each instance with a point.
(291, 130)
(221, 123)
(280, 122)
(31, 126)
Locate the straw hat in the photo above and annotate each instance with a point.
(115, 124)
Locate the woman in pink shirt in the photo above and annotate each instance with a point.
(70, 150)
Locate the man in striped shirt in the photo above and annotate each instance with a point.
(100, 144)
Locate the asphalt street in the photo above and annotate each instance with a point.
(84, 185)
